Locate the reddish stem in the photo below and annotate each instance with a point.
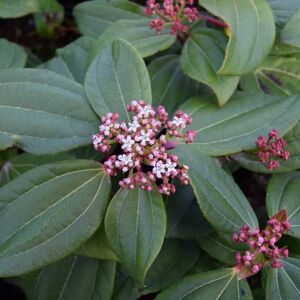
(214, 21)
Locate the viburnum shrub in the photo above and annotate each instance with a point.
(156, 156)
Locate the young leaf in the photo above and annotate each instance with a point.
(282, 193)
(52, 112)
(12, 55)
(284, 282)
(135, 225)
(219, 284)
(252, 33)
(48, 212)
(76, 278)
(117, 76)
(170, 87)
(202, 56)
(137, 32)
(93, 17)
(219, 197)
(290, 34)
(236, 126)
(175, 259)
(75, 56)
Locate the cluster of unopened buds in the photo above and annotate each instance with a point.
(171, 13)
(143, 145)
(270, 149)
(262, 246)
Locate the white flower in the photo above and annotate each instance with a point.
(170, 167)
(97, 140)
(127, 143)
(158, 169)
(145, 137)
(133, 126)
(145, 111)
(178, 122)
(124, 161)
(105, 129)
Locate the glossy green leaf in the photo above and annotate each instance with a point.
(175, 259)
(117, 76)
(279, 75)
(75, 56)
(236, 126)
(220, 248)
(76, 278)
(137, 32)
(19, 164)
(202, 56)
(97, 246)
(282, 193)
(12, 55)
(125, 288)
(57, 65)
(185, 220)
(135, 225)
(220, 199)
(93, 17)
(290, 34)
(42, 112)
(283, 9)
(284, 282)
(48, 212)
(252, 33)
(249, 161)
(219, 284)
(170, 87)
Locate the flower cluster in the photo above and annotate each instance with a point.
(143, 147)
(175, 13)
(262, 245)
(270, 149)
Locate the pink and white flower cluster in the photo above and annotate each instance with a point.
(143, 145)
(270, 149)
(173, 13)
(262, 245)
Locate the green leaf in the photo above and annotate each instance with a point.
(12, 55)
(93, 17)
(220, 248)
(279, 75)
(252, 33)
(185, 220)
(125, 288)
(97, 246)
(137, 32)
(117, 76)
(52, 112)
(18, 8)
(48, 212)
(170, 87)
(76, 278)
(283, 9)
(135, 225)
(219, 284)
(202, 56)
(175, 259)
(249, 161)
(75, 56)
(219, 197)
(57, 65)
(284, 282)
(290, 34)
(282, 193)
(19, 164)
(236, 126)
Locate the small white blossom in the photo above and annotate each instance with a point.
(133, 127)
(105, 129)
(178, 122)
(127, 143)
(145, 111)
(170, 167)
(159, 169)
(145, 137)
